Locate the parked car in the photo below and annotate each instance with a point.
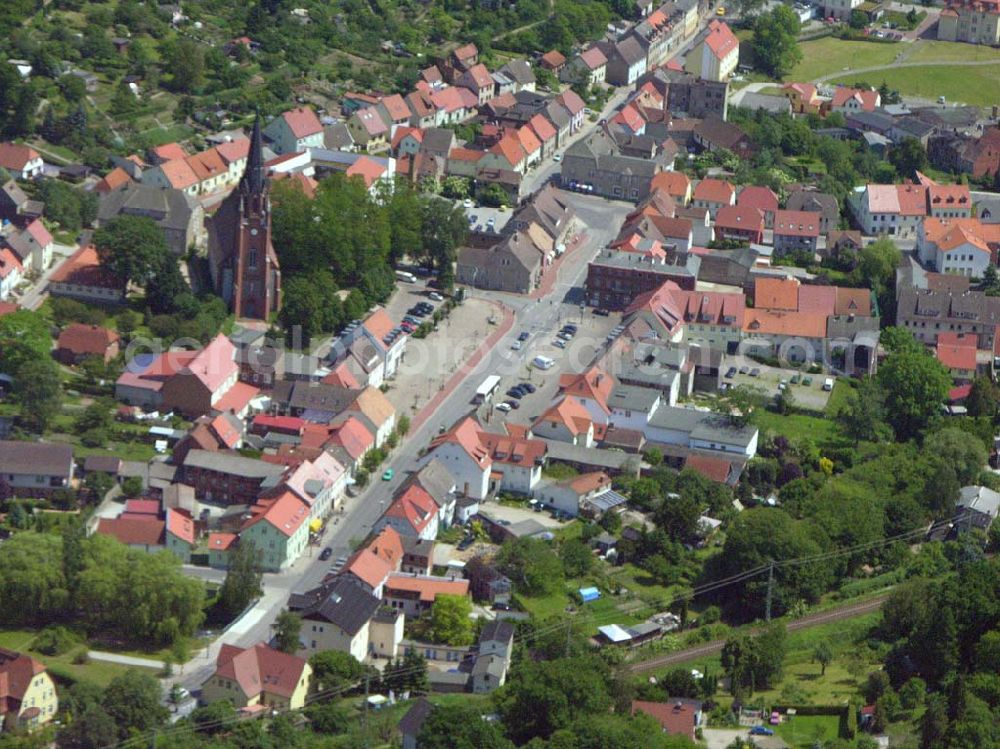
(761, 731)
(602, 312)
(569, 328)
(731, 372)
(326, 554)
(466, 542)
(795, 379)
(513, 404)
(565, 335)
(755, 372)
(523, 335)
(807, 381)
(504, 407)
(435, 296)
(559, 343)
(515, 394)
(500, 606)
(389, 473)
(744, 369)
(527, 386)
(516, 346)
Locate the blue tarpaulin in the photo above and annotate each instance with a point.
(589, 594)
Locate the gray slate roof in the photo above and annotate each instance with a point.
(170, 209)
(35, 458)
(343, 603)
(232, 463)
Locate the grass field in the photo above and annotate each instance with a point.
(828, 55)
(808, 730)
(97, 672)
(932, 51)
(797, 427)
(966, 84)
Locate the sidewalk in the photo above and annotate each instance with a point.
(125, 660)
(552, 272)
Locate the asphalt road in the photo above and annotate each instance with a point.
(711, 648)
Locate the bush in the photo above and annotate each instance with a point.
(55, 641)
(81, 657)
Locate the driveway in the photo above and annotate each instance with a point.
(720, 738)
(33, 298)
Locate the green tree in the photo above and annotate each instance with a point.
(243, 579)
(133, 487)
(32, 583)
(287, 628)
(984, 398)
(912, 693)
(775, 45)
(333, 669)
(863, 417)
(184, 62)
(823, 654)
(908, 156)
(934, 723)
(577, 558)
(132, 248)
(460, 727)
(38, 392)
(531, 565)
(678, 517)
(450, 620)
(133, 702)
(92, 728)
(965, 453)
(877, 264)
(915, 385)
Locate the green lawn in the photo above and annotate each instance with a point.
(798, 427)
(933, 51)
(976, 85)
(828, 55)
(97, 672)
(806, 730)
(159, 136)
(838, 398)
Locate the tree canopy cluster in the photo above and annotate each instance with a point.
(347, 239)
(105, 587)
(25, 356)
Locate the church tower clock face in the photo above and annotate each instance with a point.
(253, 232)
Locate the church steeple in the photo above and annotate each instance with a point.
(253, 180)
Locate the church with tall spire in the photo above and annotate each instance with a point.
(242, 260)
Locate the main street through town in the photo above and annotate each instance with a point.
(561, 302)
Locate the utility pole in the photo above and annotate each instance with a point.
(770, 590)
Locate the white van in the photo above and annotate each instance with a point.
(828, 384)
(543, 362)
(405, 275)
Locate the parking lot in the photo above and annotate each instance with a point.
(428, 363)
(573, 357)
(806, 389)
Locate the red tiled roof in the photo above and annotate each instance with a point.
(39, 233)
(371, 121)
(396, 107)
(525, 453)
(143, 507)
(260, 669)
(180, 524)
(15, 157)
(676, 719)
(352, 436)
(740, 218)
(553, 59)
(794, 323)
(224, 430)
(17, 671)
(466, 52)
(509, 147)
(221, 541)
(179, 174)
(401, 132)
(853, 301)
(465, 434)
(113, 180)
(9, 263)
(302, 121)
(286, 512)
(756, 196)
(720, 39)
(415, 506)
(715, 469)
(542, 127)
(170, 152)
(83, 340)
(593, 58)
(429, 588)
(529, 142)
(676, 184)
(589, 482)
(368, 169)
(84, 269)
(8, 308)
(797, 223)
(594, 384)
(572, 102)
(465, 154)
(342, 377)
(233, 151)
(776, 293)
(956, 350)
(214, 364)
(714, 190)
(133, 531)
(480, 76)
(867, 98)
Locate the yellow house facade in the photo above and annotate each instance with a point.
(28, 697)
(258, 676)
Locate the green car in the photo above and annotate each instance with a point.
(389, 473)
(795, 379)
(807, 381)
